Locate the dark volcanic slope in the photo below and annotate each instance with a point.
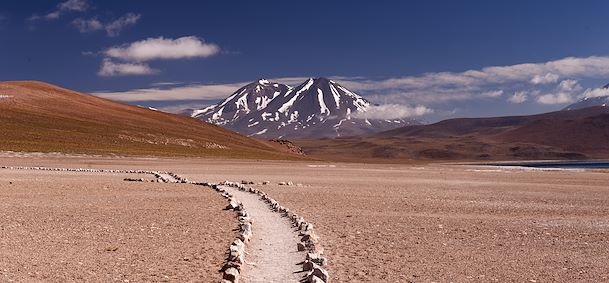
(36, 116)
(574, 134)
(589, 102)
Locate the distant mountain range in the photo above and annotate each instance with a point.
(317, 108)
(36, 116)
(574, 134)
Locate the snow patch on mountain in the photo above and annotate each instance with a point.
(316, 108)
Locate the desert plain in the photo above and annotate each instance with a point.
(377, 222)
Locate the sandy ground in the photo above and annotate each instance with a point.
(272, 256)
(398, 223)
(88, 227)
(383, 223)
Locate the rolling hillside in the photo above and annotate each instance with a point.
(36, 116)
(573, 134)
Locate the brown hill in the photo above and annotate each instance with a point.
(36, 116)
(573, 134)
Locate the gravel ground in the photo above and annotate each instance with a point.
(86, 227)
(423, 223)
(381, 223)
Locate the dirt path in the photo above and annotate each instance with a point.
(271, 254)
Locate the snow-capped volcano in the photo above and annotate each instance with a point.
(316, 108)
(250, 98)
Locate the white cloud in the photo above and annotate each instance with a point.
(88, 25)
(556, 98)
(62, 8)
(435, 90)
(136, 53)
(453, 86)
(112, 28)
(565, 93)
(393, 111)
(163, 48)
(518, 97)
(493, 93)
(112, 69)
(115, 27)
(597, 92)
(544, 79)
(569, 86)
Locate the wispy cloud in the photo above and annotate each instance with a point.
(517, 84)
(473, 84)
(492, 93)
(597, 92)
(89, 25)
(393, 111)
(163, 48)
(115, 27)
(545, 79)
(112, 28)
(112, 69)
(191, 92)
(518, 97)
(181, 108)
(162, 84)
(555, 98)
(61, 9)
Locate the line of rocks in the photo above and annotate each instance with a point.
(315, 263)
(89, 170)
(289, 183)
(235, 259)
(178, 178)
(157, 174)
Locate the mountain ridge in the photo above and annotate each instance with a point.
(574, 134)
(317, 108)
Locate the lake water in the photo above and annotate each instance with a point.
(561, 164)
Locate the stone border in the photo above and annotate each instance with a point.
(235, 259)
(88, 170)
(156, 174)
(315, 263)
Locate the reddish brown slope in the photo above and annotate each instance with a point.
(573, 134)
(36, 116)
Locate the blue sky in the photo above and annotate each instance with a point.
(456, 58)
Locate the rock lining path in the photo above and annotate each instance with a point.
(271, 255)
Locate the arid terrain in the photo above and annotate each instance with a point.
(40, 117)
(377, 223)
(95, 227)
